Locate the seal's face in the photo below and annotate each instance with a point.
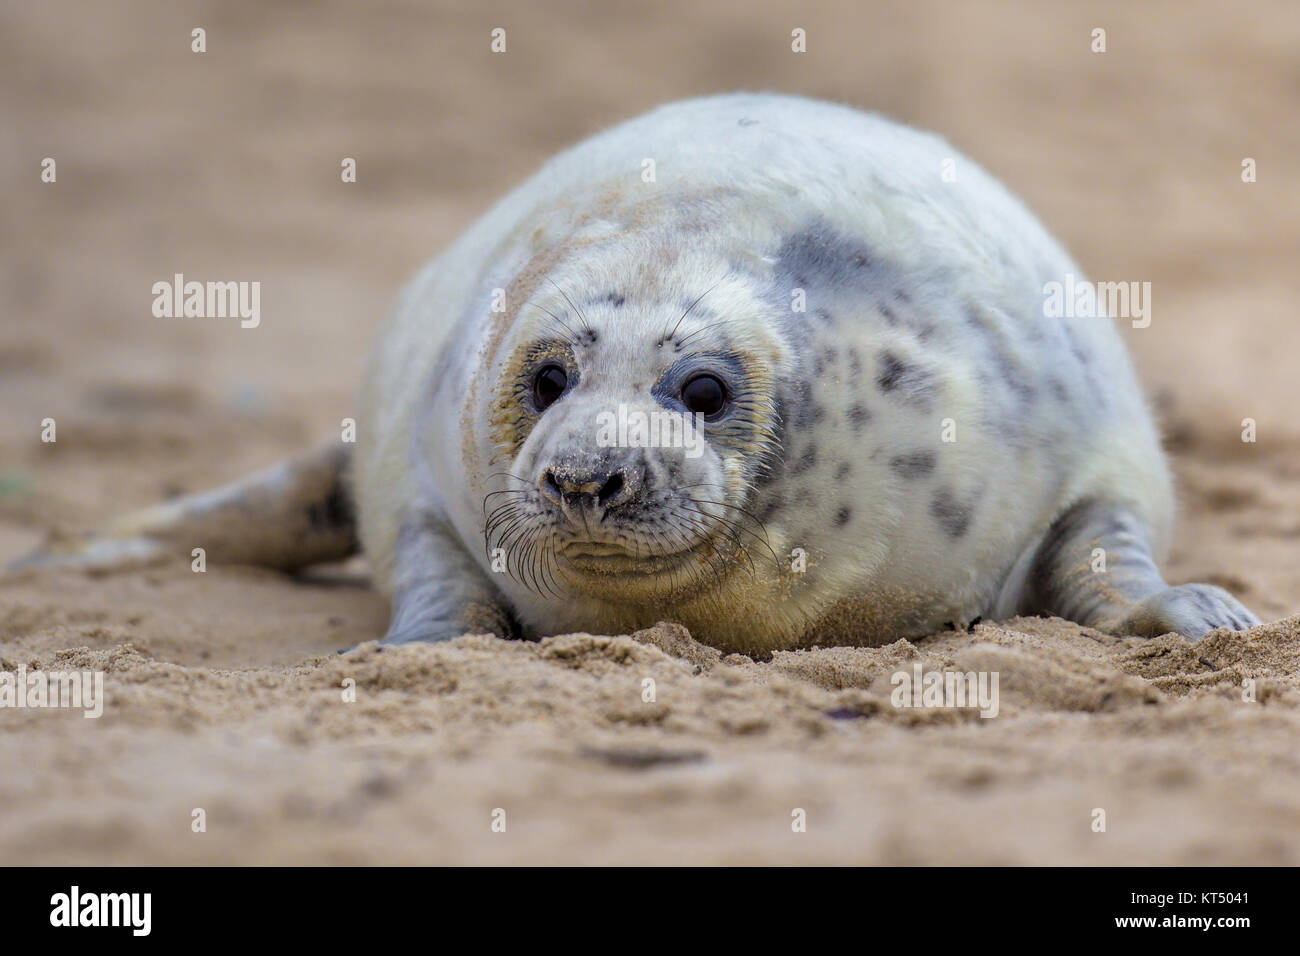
(630, 432)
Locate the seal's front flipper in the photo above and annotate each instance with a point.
(1189, 609)
(1094, 567)
(290, 516)
(438, 591)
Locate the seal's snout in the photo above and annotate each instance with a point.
(590, 490)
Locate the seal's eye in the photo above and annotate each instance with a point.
(704, 395)
(549, 385)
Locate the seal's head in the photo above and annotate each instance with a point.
(631, 422)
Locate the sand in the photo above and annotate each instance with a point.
(224, 691)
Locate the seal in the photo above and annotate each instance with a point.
(751, 363)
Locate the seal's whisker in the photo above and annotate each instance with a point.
(516, 525)
(761, 539)
(502, 514)
(714, 484)
(547, 559)
(506, 527)
(576, 311)
(758, 522)
(515, 557)
(715, 564)
(699, 524)
(704, 328)
(536, 568)
(526, 560)
(571, 337)
(689, 308)
(507, 491)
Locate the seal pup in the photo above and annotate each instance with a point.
(879, 432)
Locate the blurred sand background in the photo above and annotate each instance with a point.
(223, 688)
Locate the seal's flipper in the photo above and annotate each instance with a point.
(292, 515)
(438, 591)
(1094, 567)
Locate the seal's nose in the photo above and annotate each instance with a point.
(588, 491)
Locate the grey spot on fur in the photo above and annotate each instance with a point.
(798, 407)
(843, 471)
(806, 462)
(974, 319)
(952, 515)
(842, 517)
(820, 256)
(825, 358)
(859, 416)
(913, 464)
(903, 380)
(892, 371)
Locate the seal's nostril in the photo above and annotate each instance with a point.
(613, 485)
(553, 485)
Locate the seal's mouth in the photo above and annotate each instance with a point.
(601, 557)
(594, 549)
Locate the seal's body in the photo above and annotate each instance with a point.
(881, 431)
